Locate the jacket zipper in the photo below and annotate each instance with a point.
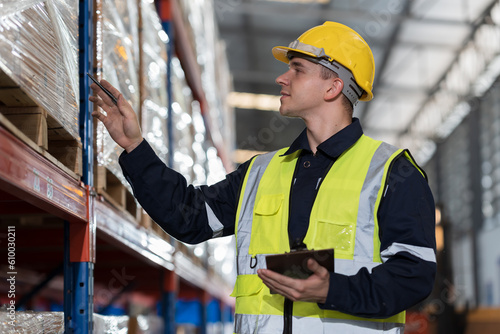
(288, 304)
(319, 185)
(287, 316)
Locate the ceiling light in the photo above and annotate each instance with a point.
(240, 156)
(254, 101)
(301, 1)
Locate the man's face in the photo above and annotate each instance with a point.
(302, 88)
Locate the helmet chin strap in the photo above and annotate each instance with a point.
(351, 90)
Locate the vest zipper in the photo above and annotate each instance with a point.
(288, 304)
(317, 190)
(287, 316)
(290, 200)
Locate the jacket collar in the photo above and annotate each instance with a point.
(333, 146)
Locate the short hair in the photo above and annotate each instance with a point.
(325, 74)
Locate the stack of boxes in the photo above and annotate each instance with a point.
(39, 90)
(153, 78)
(215, 77)
(117, 59)
(39, 96)
(182, 122)
(32, 322)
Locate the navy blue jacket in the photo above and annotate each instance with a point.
(406, 216)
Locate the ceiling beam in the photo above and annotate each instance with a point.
(249, 38)
(475, 26)
(289, 36)
(264, 8)
(387, 55)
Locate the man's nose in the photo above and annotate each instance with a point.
(281, 80)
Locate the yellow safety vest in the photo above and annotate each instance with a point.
(343, 217)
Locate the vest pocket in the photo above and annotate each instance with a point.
(247, 285)
(337, 235)
(267, 226)
(246, 290)
(269, 205)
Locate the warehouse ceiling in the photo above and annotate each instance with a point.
(414, 44)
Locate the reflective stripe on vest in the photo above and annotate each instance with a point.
(360, 173)
(246, 323)
(245, 213)
(364, 245)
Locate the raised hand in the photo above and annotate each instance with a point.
(120, 120)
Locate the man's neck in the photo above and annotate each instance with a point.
(320, 130)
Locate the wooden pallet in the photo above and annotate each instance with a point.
(484, 321)
(189, 253)
(116, 193)
(149, 224)
(146, 221)
(21, 115)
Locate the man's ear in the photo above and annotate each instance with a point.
(335, 89)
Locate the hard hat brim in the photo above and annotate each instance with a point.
(281, 54)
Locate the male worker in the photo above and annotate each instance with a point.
(332, 188)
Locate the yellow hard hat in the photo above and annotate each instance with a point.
(340, 44)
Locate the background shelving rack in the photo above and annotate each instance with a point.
(29, 183)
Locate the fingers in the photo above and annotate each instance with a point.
(100, 116)
(275, 278)
(124, 107)
(107, 100)
(313, 289)
(281, 284)
(97, 113)
(103, 101)
(97, 101)
(110, 88)
(271, 280)
(103, 88)
(316, 268)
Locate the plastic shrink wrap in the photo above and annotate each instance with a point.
(39, 52)
(112, 324)
(27, 322)
(154, 96)
(117, 61)
(217, 84)
(182, 129)
(215, 76)
(146, 324)
(199, 145)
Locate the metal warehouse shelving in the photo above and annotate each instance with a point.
(28, 175)
(31, 183)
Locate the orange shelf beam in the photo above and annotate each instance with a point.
(29, 176)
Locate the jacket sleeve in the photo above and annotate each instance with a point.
(190, 214)
(407, 235)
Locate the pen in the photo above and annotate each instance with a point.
(115, 100)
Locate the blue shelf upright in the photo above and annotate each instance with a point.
(165, 12)
(79, 238)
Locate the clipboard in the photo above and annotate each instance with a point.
(294, 264)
